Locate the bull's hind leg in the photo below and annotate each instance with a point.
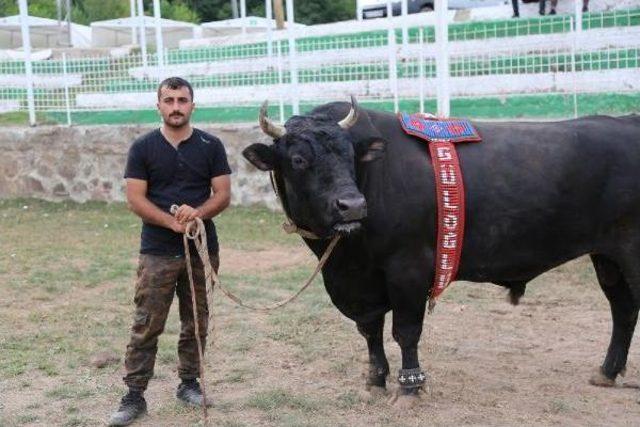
(378, 364)
(617, 284)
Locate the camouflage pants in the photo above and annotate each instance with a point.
(159, 278)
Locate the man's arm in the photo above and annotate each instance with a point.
(140, 205)
(219, 200)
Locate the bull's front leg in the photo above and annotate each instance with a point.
(378, 365)
(408, 294)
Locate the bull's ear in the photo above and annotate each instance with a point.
(260, 155)
(375, 150)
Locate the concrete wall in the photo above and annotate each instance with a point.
(87, 162)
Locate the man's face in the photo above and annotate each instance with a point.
(175, 106)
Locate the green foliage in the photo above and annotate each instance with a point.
(306, 12)
(179, 11)
(88, 11)
(8, 7)
(41, 8)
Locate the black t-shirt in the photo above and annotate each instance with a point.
(176, 176)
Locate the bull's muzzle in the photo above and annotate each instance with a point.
(352, 208)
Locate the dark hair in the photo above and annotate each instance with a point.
(175, 83)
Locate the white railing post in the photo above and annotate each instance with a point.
(132, 7)
(143, 35)
(293, 59)
(67, 101)
(159, 43)
(577, 4)
(243, 16)
(392, 53)
(421, 67)
(26, 46)
(442, 61)
(269, 16)
(574, 43)
(405, 30)
(359, 10)
(280, 80)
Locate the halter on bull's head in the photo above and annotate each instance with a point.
(314, 159)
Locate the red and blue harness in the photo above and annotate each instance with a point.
(441, 136)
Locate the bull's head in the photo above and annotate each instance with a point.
(314, 158)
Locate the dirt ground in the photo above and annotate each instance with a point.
(488, 363)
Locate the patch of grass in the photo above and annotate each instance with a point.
(271, 400)
(348, 400)
(76, 422)
(25, 419)
(70, 391)
(21, 118)
(558, 406)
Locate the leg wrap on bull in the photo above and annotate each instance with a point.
(411, 378)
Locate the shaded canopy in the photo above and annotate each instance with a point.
(117, 32)
(43, 32)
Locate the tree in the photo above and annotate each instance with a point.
(178, 11)
(88, 11)
(306, 12)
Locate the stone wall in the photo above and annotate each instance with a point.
(83, 163)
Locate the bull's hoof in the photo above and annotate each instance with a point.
(404, 402)
(601, 380)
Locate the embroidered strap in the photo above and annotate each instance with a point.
(450, 193)
(441, 134)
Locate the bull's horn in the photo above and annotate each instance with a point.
(272, 129)
(352, 117)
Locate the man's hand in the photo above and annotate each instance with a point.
(176, 227)
(185, 214)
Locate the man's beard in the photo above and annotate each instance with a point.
(174, 125)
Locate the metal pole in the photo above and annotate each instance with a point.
(269, 17)
(66, 88)
(26, 46)
(243, 16)
(280, 80)
(69, 22)
(577, 4)
(234, 9)
(293, 61)
(442, 64)
(359, 10)
(59, 16)
(405, 31)
(574, 43)
(158, 24)
(393, 66)
(143, 35)
(421, 66)
(132, 7)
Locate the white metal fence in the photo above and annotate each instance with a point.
(499, 60)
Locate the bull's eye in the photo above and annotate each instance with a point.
(298, 162)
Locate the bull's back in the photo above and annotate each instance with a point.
(539, 194)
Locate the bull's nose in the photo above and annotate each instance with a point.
(352, 208)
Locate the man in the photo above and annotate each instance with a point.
(176, 164)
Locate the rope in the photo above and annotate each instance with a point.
(195, 231)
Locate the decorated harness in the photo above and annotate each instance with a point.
(441, 136)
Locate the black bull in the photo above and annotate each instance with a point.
(537, 195)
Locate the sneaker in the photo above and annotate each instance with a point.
(132, 406)
(190, 393)
(552, 12)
